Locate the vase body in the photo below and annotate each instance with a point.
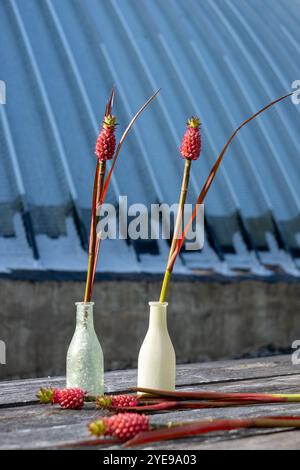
(157, 361)
(85, 368)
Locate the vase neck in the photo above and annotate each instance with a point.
(84, 314)
(158, 314)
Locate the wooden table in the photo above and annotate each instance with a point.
(25, 424)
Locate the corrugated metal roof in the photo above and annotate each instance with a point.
(220, 59)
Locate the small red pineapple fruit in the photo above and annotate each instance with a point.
(124, 426)
(116, 401)
(56, 396)
(191, 143)
(72, 398)
(48, 395)
(124, 401)
(106, 142)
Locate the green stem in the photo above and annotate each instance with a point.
(177, 230)
(165, 285)
(183, 193)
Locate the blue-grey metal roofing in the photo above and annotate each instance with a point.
(220, 59)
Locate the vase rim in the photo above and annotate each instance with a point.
(85, 303)
(157, 303)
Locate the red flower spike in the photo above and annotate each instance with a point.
(72, 398)
(191, 143)
(123, 425)
(56, 396)
(106, 142)
(122, 401)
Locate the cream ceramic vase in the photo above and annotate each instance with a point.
(85, 367)
(157, 361)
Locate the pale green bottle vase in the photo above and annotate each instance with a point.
(85, 368)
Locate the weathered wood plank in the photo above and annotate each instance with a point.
(50, 429)
(45, 426)
(38, 426)
(287, 440)
(23, 391)
(233, 440)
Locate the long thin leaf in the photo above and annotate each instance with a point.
(97, 190)
(107, 181)
(110, 103)
(99, 199)
(211, 177)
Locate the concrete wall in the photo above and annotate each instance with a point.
(207, 320)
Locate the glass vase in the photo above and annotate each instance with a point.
(85, 367)
(157, 361)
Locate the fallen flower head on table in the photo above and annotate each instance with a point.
(159, 400)
(68, 398)
(134, 429)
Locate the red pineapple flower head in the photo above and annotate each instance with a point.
(117, 401)
(106, 142)
(123, 401)
(191, 143)
(56, 396)
(124, 426)
(72, 398)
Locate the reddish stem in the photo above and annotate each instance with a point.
(194, 404)
(203, 427)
